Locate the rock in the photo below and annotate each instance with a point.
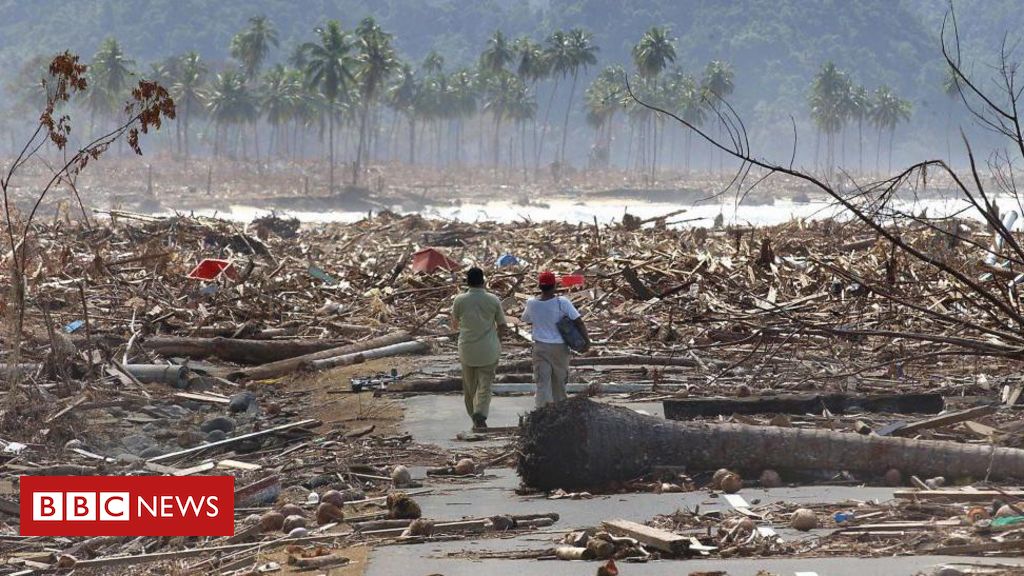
(271, 521)
(216, 436)
(803, 520)
(401, 476)
(128, 459)
(272, 409)
(66, 562)
(251, 519)
(770, 479)
(292, 510)
(152, 452)
(137, 443)
(731, 483)
(502, 523)
(948, 571)
(743, 391)
(72, 444)
(190, 438)
(240, 402)
(465, 467)
(292, 522)
(893, 477)
(781, 420)
(298, 532)
(327, 513)
(222, 423)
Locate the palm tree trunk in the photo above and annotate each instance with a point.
(544, 126)
(860, 145)
(412, 141)
(580, 444)
(362, 141)
(497, 140)
(186, 117)
(330, 148)
(565, 122)
(892, 135)
(878, 152)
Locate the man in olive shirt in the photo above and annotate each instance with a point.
(478, 317)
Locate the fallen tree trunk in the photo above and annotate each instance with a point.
(414, 347)
(684, 408)
(579, 444)
(175, 376)
(238, 350)
(282, 367)
(637, 360)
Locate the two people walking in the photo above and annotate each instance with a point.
(478, 316)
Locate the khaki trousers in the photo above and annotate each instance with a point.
(476, 388)
(550, 371)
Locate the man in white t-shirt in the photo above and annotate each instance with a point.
(550, 352)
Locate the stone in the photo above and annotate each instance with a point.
(292, 522)
(128, 459)
(137, 443)
(240, 402)
(401, 476)
(152, 452)
(216, 436)
(222, 423)
(190, 438)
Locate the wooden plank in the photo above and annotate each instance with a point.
(161, 469)
(981, 429)
(658, 539)
(237, 465)
(203, 398)
(945, 419)
(958, 495)
(204, 467)
(232, 440)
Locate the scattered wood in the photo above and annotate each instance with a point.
(838, 403)
(945, 420)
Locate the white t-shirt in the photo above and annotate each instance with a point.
(544, 316)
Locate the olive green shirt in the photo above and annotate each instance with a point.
(479, 314)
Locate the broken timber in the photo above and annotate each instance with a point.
(653, 537)
(231, 440)
(282, 367)
(943, 420)
(684, 408)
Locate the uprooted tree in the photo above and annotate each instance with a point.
(970, 305)
(50, 146)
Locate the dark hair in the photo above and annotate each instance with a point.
(547, 287)
(475, 277)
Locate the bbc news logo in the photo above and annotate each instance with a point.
(127, 506)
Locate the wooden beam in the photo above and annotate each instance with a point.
(658, 539)
(838, 403)
(945, 419)
(232, 440)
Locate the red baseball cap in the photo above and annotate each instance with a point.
(547, 278)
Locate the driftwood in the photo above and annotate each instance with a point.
(231, 440)
(238, 350)
(282, 367)
(683, 408)
(580, 444)
(413, 347)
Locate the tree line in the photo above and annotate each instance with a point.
(349, 94)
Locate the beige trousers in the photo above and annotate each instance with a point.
(476, 388)
(550, 371)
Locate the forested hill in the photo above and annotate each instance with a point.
(774, 46)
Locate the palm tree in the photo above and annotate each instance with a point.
(279, 100)
(109, 74)
(403, 97)
(829, 101)
(889, 110)
(603, 99)
(498, 54)
(580, 52)
(692, 108)
(461, 95)
(504, 92)
(252, 45)
(433, 63)
(651, 55)
(186, 91)
(375, 63)
(230, 101)
(329, 70)
(717, 84)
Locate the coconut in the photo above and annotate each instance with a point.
(292, 522)
(716, 479)
(770, 479)
(401, 476)
(327, 513)
(66, 562)
(601, 549)
(298, 532)
(271, 521)
(743, 391)
(333, 497)
(292, 510)
(465, 467)
(731, 483)
(893, 477)
(803, 520)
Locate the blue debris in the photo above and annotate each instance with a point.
(507, 260)
(319, 274)
(73, 326)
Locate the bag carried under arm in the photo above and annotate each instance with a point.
(569, 331)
